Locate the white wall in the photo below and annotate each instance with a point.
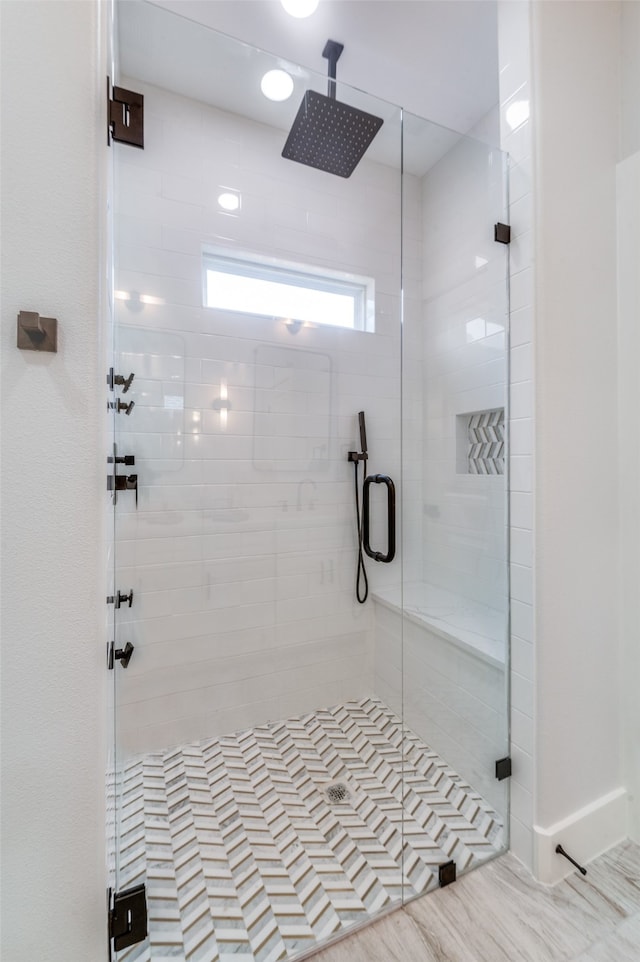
(568, 79)
(53, 716)
(576, 565)
(241, 553)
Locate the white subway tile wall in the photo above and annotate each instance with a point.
(458, 332)
(242, 551)
(515, 128)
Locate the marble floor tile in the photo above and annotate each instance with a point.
(623, 945)
(616, 875)
(395, 938)
(506, 917)
(501, 914)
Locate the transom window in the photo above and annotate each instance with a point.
(297, 293)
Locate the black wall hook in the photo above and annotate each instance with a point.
(36, 333)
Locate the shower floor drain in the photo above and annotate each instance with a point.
(337, 793)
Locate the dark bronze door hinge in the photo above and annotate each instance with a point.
(123, 655)
(128, 917)
(123, 482)
(125, 111)
(446, 873)
(502, 233)
(503, 768)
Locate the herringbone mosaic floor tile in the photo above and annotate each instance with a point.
(245, 856)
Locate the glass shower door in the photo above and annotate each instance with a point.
(284, 728)
(258, 306)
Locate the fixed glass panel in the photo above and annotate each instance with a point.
(261, 771)
(454, 599)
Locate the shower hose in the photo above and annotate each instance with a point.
(362, 582)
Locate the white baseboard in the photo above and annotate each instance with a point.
(584, 835)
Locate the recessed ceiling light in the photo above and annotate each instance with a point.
(229, 201)
(277, 85)
(300, 8)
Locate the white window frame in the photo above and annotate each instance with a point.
(244, 264)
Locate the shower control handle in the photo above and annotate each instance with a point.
(122, 482)
(123, 655)
(120, 380)
(119, 406)
(391, 518)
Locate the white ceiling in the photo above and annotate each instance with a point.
(437, 58)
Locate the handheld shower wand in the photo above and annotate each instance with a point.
(363, 434)
(362, 582)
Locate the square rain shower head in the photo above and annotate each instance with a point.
(330, 135)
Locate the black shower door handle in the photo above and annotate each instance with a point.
(391, 518)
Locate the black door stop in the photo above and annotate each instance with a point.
(561, 851)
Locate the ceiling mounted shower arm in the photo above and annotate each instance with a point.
(332, 51)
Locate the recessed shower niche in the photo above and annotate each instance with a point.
(255, 678)
(480, 442)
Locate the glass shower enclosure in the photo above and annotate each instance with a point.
(297, 750)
